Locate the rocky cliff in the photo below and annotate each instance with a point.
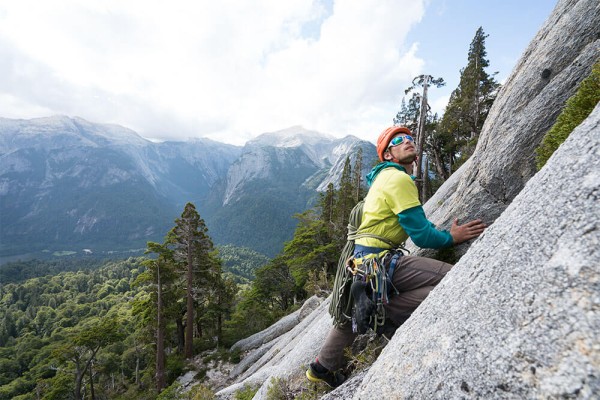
(69, 184)
(548, 73)
(518, 316)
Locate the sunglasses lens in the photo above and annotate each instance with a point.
(399, 139)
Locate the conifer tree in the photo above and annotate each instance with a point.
(326, 205)
(357, 168)
(160, 272)
(345, 202)
(311, 249)
(409, 113)
(192, 246)
(471, 101)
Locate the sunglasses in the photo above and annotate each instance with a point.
(399, 140)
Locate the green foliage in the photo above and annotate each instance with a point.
(18, 271)
(241, 262)
(173, 392)
(469, 104)
(578, 107)
(51, 319)
(201, 392)
(279, 390)
(275, 284)
(409, 113)
(365, 357)
(175, 367)
(313, 248)
(252, 314)
(246, 393)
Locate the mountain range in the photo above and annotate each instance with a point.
(67, 184)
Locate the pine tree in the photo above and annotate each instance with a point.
(409, 114)
(192, 246)
(357, 168)
(160, 272)
(326, 205)
(345, 202)
(471, 101)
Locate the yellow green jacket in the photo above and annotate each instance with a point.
(392, 210)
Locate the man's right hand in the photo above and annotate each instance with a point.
(470, 230)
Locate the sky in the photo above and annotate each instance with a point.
(230, 70)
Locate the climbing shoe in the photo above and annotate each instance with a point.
(364, 308)
(318, 373)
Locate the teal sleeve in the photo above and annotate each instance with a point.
(422, 231)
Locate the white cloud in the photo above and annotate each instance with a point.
(438, 104)
(224, 69)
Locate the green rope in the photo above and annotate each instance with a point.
(341, 302)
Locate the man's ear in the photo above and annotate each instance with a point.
(387, 156)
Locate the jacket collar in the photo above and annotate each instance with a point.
(380, 167)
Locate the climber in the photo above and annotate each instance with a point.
(392, 211)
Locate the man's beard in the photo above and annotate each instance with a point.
(408, 159)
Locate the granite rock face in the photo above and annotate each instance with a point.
(519, 315)
(277, 329)
(558, 58)
(286, 356)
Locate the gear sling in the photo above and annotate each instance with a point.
(358, 277)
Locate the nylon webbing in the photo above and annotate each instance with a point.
(341, 303)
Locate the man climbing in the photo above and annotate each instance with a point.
(391, 213)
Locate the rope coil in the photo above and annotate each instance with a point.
(341, 302)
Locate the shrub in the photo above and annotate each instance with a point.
(246, 393)
(578, 107)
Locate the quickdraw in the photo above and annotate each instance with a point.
(371, 270)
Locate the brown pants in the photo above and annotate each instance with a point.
(414, 277)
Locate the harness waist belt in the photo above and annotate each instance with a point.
(361, 251)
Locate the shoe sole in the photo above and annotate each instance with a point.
(313, 378)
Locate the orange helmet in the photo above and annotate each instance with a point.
(386, 136)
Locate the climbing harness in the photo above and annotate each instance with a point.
(378, 288)
(369, 269)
